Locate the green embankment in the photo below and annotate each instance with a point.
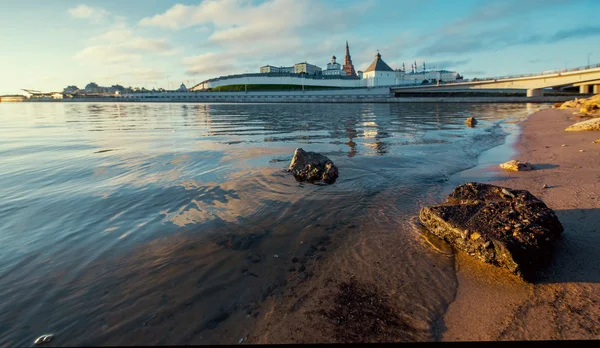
(252, 88)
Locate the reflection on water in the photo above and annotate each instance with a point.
(124, 223)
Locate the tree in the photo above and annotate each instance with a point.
(70, 89)
(91, 87)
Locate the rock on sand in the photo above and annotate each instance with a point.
(507, 228)
(589, 125)
(516, 165)
(312, 167)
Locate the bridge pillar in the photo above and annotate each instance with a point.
(535, 92)
(585, 89)
(596, 89)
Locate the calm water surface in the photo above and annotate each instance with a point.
(117, 218)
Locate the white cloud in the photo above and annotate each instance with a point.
(209, 63)
(249, 34)
(107, 55)
(87, 12)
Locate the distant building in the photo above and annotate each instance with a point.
(273, 69)
(379, 73)
(415, 77)
(182, 88)
(334, 69)
(348, 66)
(306, 68)
(11, 98)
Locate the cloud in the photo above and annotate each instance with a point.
(447, 64)
(119, 45)
(491, 26)
(278, 35)
(209, 63)
(575, 33)
(87, 12)
(107, 55)
(473, 73)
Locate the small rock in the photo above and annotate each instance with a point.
(563, 145)
(312, 167)
(507, 192)
(597, 141)
(43, 339)
(241, 340)
(581, 150)
(516, 165)
(471, 121)
(545, 186)
(275, 256)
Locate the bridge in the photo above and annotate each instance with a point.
(586, 78)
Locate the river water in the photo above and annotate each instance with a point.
(159, 223)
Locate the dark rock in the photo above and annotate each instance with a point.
(471, 121)
(497, 225)
(312, 167)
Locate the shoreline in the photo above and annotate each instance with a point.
(491, 305)
(236, 98)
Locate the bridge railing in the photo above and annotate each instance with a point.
(549, 72)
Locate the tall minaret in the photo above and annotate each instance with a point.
(423, 66)
(403, 68)
(348, 67)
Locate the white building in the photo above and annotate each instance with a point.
(274, 69)
(306, 68)
(430, 75)
(379, 73)
(334, 69)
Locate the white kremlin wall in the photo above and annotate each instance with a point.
(278, 80)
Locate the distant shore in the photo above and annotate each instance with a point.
(562, 304)
(299, 98)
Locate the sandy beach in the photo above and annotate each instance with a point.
(564, 302)
(352, 294)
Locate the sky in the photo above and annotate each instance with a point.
(48, 45)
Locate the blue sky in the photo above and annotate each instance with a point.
(48, 45)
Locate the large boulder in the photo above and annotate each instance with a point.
(516, 165)
(508, 228)
(589, 125)
(312, 167)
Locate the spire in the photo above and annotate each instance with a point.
(348, 66)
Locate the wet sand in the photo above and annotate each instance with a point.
(353, 293)
(564, 301)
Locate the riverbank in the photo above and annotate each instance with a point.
(308, 97)
(563, 304)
